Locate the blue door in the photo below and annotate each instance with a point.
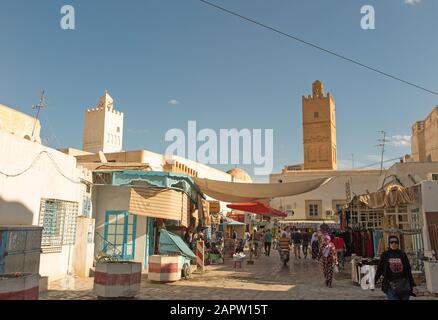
(120, 227)
(150, 237)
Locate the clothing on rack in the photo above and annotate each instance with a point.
(377, 235)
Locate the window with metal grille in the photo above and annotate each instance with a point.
(70, 216)
(58, 219)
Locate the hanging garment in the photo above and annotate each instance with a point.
(348, 242)
(364, 236)
(369, 244)
(377, 235)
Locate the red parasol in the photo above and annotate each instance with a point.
(258, 208)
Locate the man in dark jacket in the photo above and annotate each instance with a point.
(398, 283)
(305, 240)
(296, 239)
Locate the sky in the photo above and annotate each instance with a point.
(166, 62)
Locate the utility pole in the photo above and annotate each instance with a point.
(382, 145)
(352, 160)
(39, 106)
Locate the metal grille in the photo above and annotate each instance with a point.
(52, 222)
(71, 214)
(58, 219)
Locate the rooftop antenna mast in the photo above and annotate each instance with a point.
(39, 106)
(382, 145)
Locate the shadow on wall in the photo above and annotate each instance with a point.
(14, 213)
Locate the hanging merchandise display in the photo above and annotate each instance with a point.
(363, 271)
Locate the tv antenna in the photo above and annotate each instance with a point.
(39, 106)
(382, 143)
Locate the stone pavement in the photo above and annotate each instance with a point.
(267, 279)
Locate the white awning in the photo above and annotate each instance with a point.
(236, 192)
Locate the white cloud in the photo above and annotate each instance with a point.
(412, 2)
(400, 141)
(173, 102)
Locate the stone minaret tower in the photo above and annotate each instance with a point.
(319, 130)
(103, 127)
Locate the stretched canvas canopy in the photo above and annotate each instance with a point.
(233, 223)
(172, 243)
(258, 208)
(236, 192)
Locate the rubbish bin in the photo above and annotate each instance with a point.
(431, 272)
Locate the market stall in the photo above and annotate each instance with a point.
(367, 222)
(231, 226)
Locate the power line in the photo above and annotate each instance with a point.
(14, 175)
(377, 163)
(319, 47)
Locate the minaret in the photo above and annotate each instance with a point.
(103, 127)
(319, 129)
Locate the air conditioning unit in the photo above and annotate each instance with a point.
(432, 176)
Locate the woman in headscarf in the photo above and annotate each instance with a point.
(329, 259)
(315, 245)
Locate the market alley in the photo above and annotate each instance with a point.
(266, 279)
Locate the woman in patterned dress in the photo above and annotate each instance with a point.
(329, 259)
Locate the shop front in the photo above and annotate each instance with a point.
(129, 216)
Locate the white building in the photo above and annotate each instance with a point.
(324, 202)
(40, 186)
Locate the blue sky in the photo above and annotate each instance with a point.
(224, 72)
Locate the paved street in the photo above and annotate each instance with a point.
(266, 279)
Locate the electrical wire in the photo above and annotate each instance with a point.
(356, 62)
(50, 156)
(377, 163)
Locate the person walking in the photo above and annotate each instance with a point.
(340, 251)
(305, 241)
(315, 245)
(296, 238)
(329, 259)
(256, 241)
(268, 242)
(398, 283)
(262, 242)
(247, 239)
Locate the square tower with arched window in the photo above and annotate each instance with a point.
(319, 130)
(103, 127)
